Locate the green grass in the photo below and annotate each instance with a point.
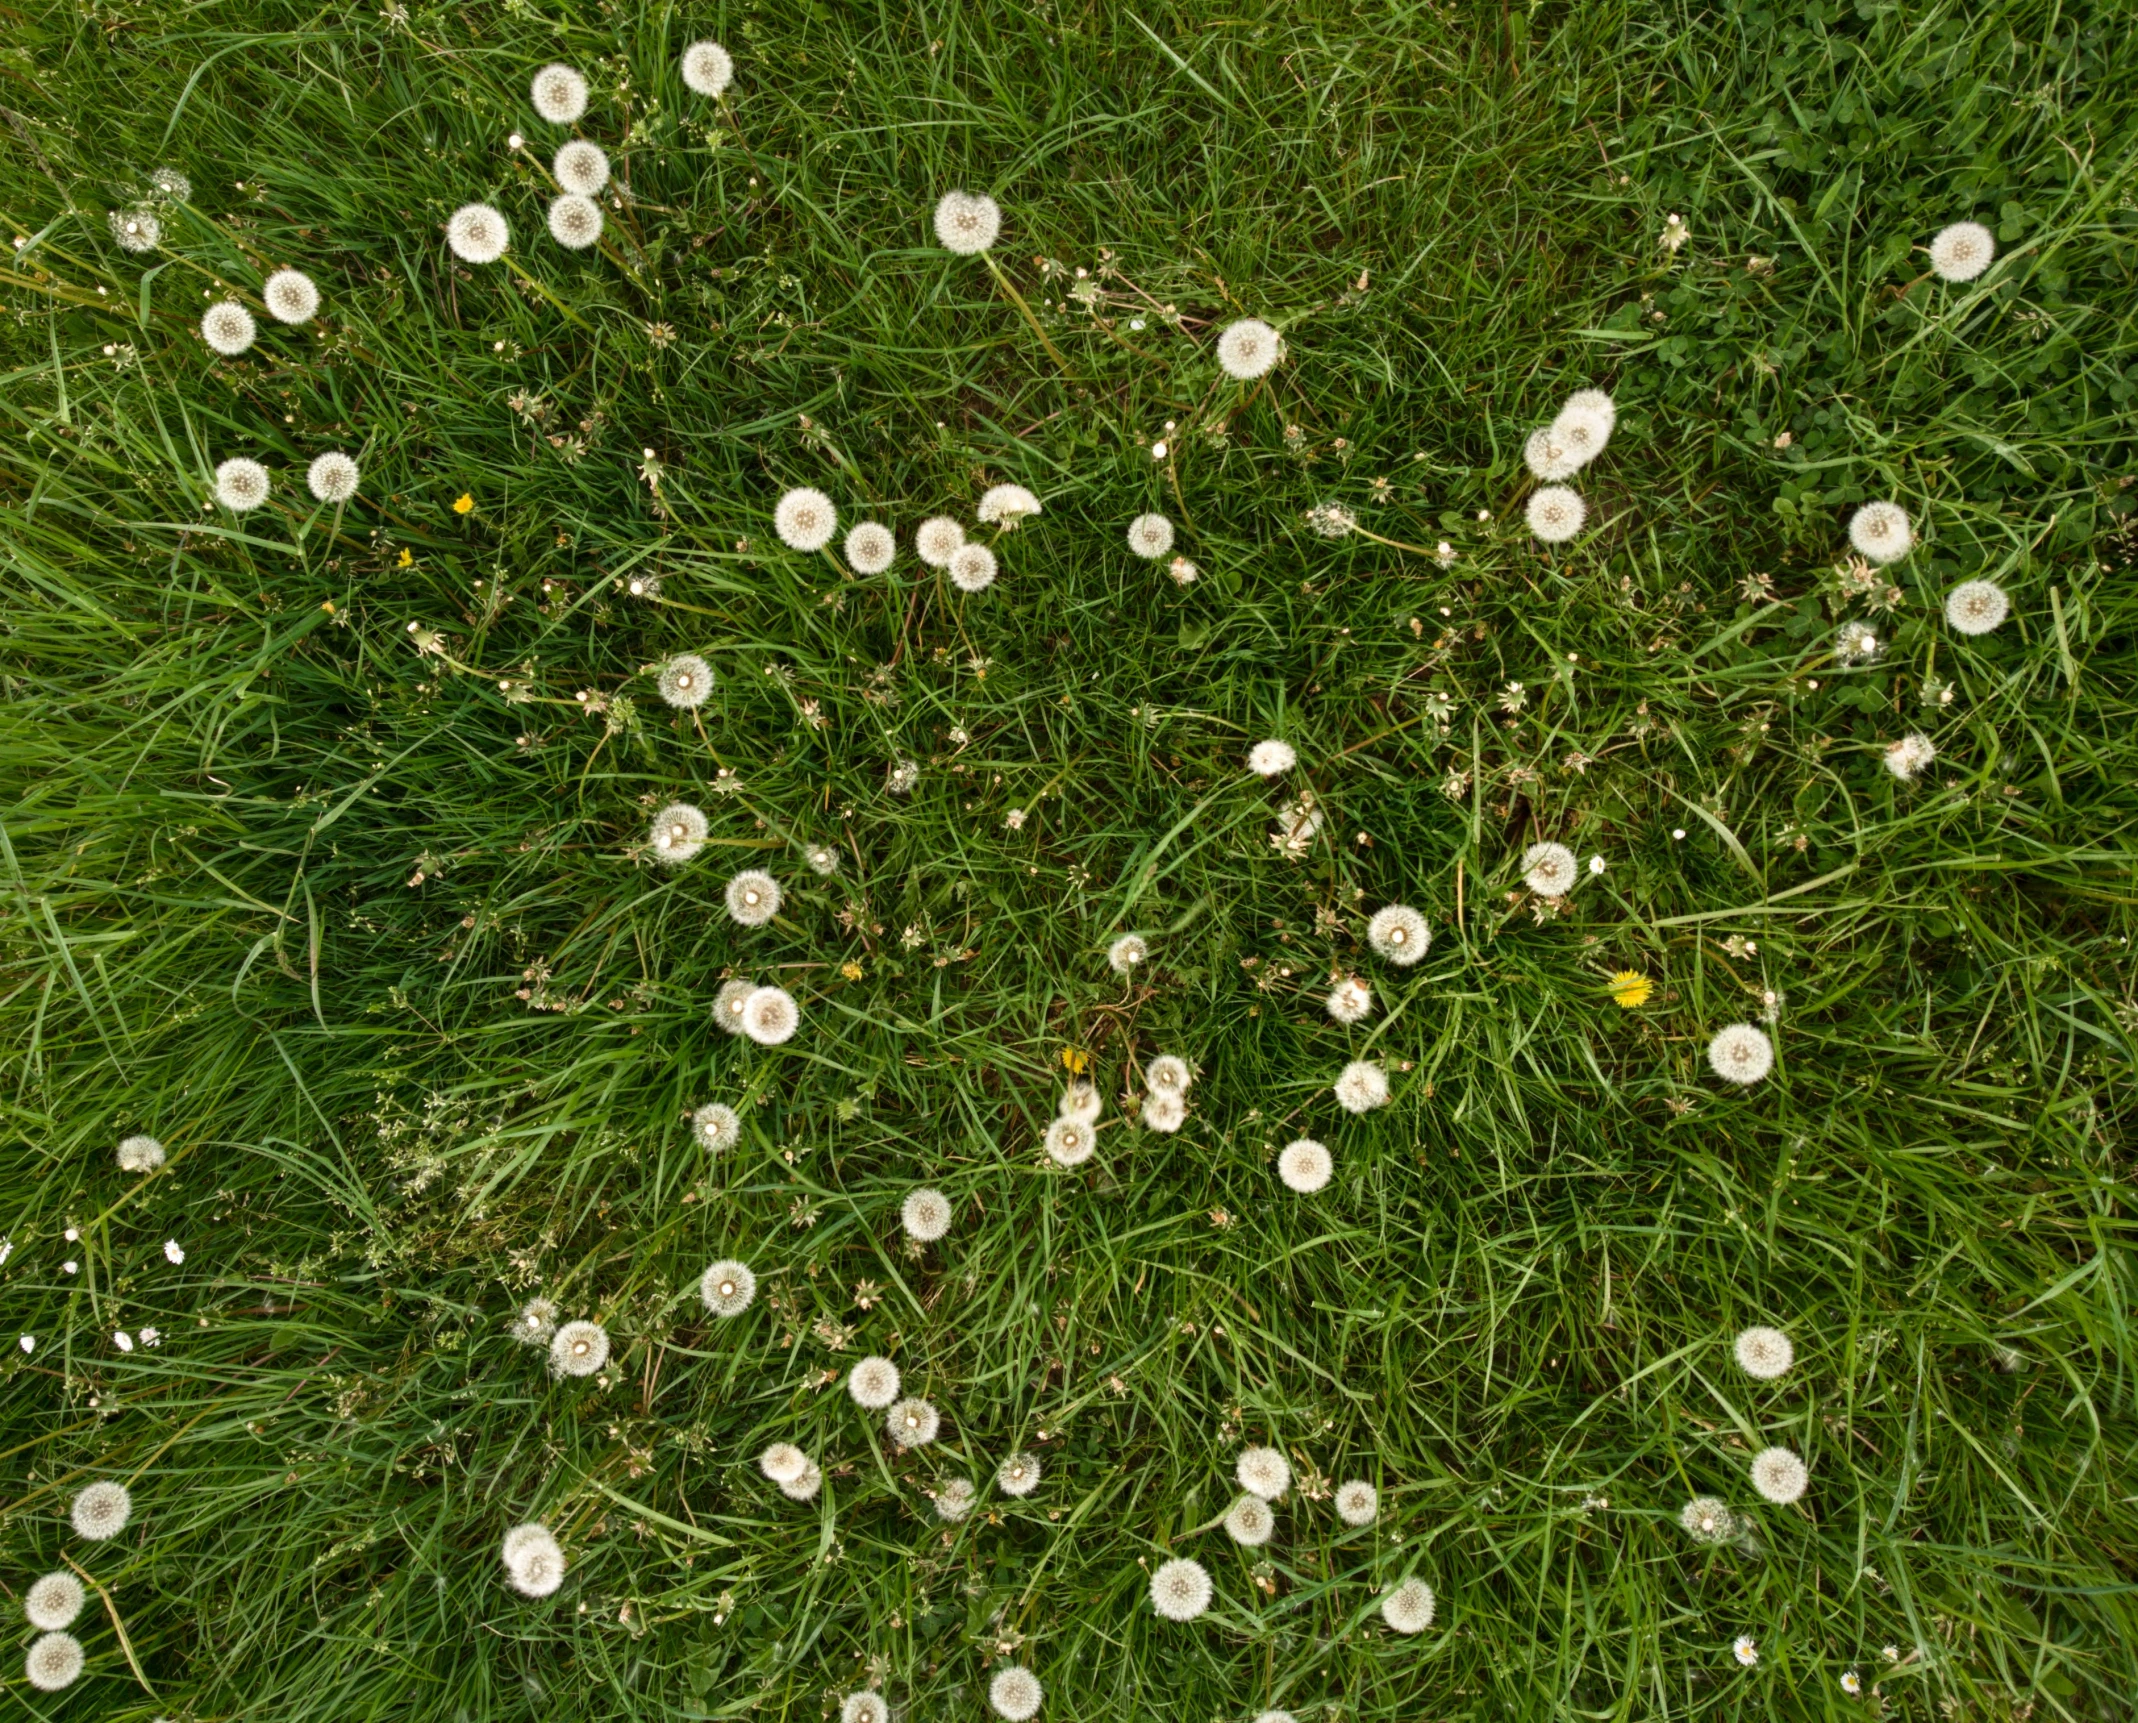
(361, 933)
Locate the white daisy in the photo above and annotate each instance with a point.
(936, 540)
(291, 296)
(1181, 1589)
(870, 548)
(678, 834)
(1015, 1693)
(1250, 1521)
(718, 1127)
(1248, 349)
(575, 221)
(1764, 1353)
(1267, 759)
(972, 568)
(707, 68)
(1909, 756)
(559, 94)
(805, 519)
(1962, 251)
(332, 477)
(1399, 933)
(1358, 1503)
(1305, 1166)
(1550, 870)
(1362, 1087)
(1410, 1607)
(1744, 1650)
(1070, 1142)
(1007, 505)
(925, 1214)
(1263, 1472)
(967, 224)
(241, 485)
(1881, 532)
(1150, 536)
(228, 327)
(581, 167)
(1779, 1474)
(770, 1016)
(753, 898)
(1556, 514)
(1741, 1053)
(477, 233)
(873, 1383)
(1977, 606)
(727, 1288)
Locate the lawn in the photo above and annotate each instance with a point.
(331, 862)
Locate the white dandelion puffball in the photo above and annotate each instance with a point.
(770, 1016)
(1765, 1353)
(1581, 429)
(522, 1538)
(1399, 934)
(822, 858)
(1015, 1693)
(579, 1349)
(678, 834)
(865, 1707)
(972, 568)
(536, 1322)
(1357, 1503)
(1977, 606)
(783, 1462)
(101, 1511)
(873, 1383)
(955, 1499)
(1181, 1589)
(1263, 1472)
(1550, 870)
(1150, 536)
(1164, 1110)
(140, 1155)
(574, 221)
(753, 898)
(53, 1601)
(1007, 505)
(967, 225)
(936, 540)
(804, 1487)
(1350, 1000)
(728, 1288)
(925, 1214)
(1275, 1717)
(870, 548)
(1126, 952)
(1909, 756)
(1018, 1475)
(707, 68)
(686, 680)
(581, 167)
(1249, 1521)
(1556, 514)
(1070, 1142)
(1409, 1608)
(1249, 349)
(136, 229)
(1267, 759)
(805, 519)
(54, 1662)
(912, 1423)
(1741, 1053)
(291, 295)
(1592, 403)
(1550, 456)
(730, 1003)
(1779, 1475)
(1305, 1166)
(477, 233)
(1856, 642)
(241, 485)
(332, 477)
(1962, 251)
(1707, 1521)
(228, 327)
(1168, 1071)
(1362, 1087)
(717, 1126)
(1881, 532)
(534, 1562)
(559, 94)
(1080, 1101)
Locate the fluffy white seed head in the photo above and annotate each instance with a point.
(1018, 1475)
(140, 1155)
(581, 167)
(55, 1661)
(1707, 1521)
(1168, 1071)
(954, 1500)
(1249, 1521)
(1550, 456)
(101, 1511)
(1779, 1474)
(972, 568)
(1275, 1717)
(530, 1534)
(1595, 403)
(1409, 1607)
(1126, 952)
(728, 1288)
(1764, 1353)
(1362, 1087)
(559, 94)
(1856, 642)
(1150, 536)
(1977, 606)
(717, 1126)
(53, 1601)
(332, 477)
(678, 834)
(804, 1487)
(912, 1423)
(1070, 1142)
(936, 540)
(1263, 1472)
(1962, 251)
(537, 1570)
(967, 224)
(1248, 349)
(136, 229)
(1350, 1000)
(477, 233)
(753, 898)
(1550, 870)
(730, 1003)
(805, 519)
(1267, 759)
(1181, 1589)
(241, 485)
(1080, 1101)
(925, 1214)
(1399, 933)
(870, 548)
(1556, 514)
(1358, 1503)
(535, 1323)
(1582, 430)
(1007, 505)
(574, 221)
(1164, 1110)
(686, 680)
(822, 859)
(1305, 1166)
(579, 1348)
(873, 1383)
(708, 68)
(770, 1016)
(291, 296)
(1881, 532)
(228, 327)
(1741, 1053)
(865, 1707)
(1015, 1693)
(1910, 756)
(783, 1462)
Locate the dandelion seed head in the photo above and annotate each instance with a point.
(1764, 1353)
(1305, 1166)
(1908, 757)
(1881, 532)
(579, 1348)
(1015, 1693)
(581, 167)
(241, 485)
(1080, 1101)
(228, 327)
(925, 1214)
(770, 1016)
(574, 221)
(535, 1323)
(538, 1568)
(332, 477)
(967, 224)
(1399, 933)
(865, 1707)
(53, 1601)
(1018, 1475)
(1267, 759)
(870, 548)
(1550, 456)
(1331, 520)
(291, 296)
(1249, 349)
(136, 229)
(477, 233)
(1409, 1607)
(783, 1462)
(1977, 606)
(686, 680)
(559, 94)
(1263, 1472)
(1181, 1589)
(1006, 505)
(1581, 429)
(1070, 1142)
(1707, 1521)
(1856, 642)
(972, 568)
(804, 1486)
(707, 68)
(1779, 1474)
(54, 1661)
(1962, 251)
(1362, 1087)
(1556, 514)
(1150, 536)
(873, 1383)
(531, 1534)
(730, 1003)
(1164, 1111)
(822, 859)
(1126, 952)
(902, 776)
(753, 898)
(805, 519)
(1358, 1503)
(954, 1499)
(1168, 1073)
(1592, 403)
(678, 834)
(140, 1155)
(1350, 1000)
(728, 1288)
(912, 1423)
(1550, 870)
(936, 540)
(1249, 1521)
(101, 1511)
(1741, 1053)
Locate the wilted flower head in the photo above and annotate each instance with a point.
(55, 1661)
(1556, 514)
(1267, 759)
(135, 229)
(1357, 1503)
(805, 519)
(1881, 532)
(1126, 952)
(1962, 251)
(1350, 1000)
(1910, 755)
(1977, 606)
(865, 1707)
(1164, 1110)
(770, 1016)
(332, 477)
(912, 1423)
(954, 1499)
(1764, 1352)
(101, 1511)
(1018, 1475)
(291, 296)
(241, 485)
(1181, 1589)
(1399, 933)
(972, 568)
(1707, 1521)
(140, 1155)
(559, 94)
(1250, 1521)
(1856, 642)
(1362, 1087)
(1015, 1693)
(579, 1349)
(783, 1462)
(581, 167)
(574, 221)
(1248, 349)
(870, 547)
(1305, 1166)
(717, 1126)
(1070, 1142)
(753, 898)
(678, 834)
(925, 1214)
(686, 680)
(727, 1287)
(1007, 505)
(936, 540)
(1168, 1071)
(1741, 1053)
(707, 68)
(228, 327)
(873, 1383)
(535, 1323)
(1409, 1607)
(1550, 870)
(729, 1004)
(1263, 1472)
(53, 1601)
(477, 233)
(1150, 535)
(1550, 456)
(1779, 1475)
(967, 224)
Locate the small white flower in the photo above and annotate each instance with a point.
(1150, 536)
(1357, 1503)
(1741, 1053)
(1305, 1166)
(1263, 1472)
(805, 519)
(228, 327)
(173, 1252)
(1549, 870)
(1362, 1087)
(870, 548)
(707, 68)
(1596, 864)
(575, 221)
(936, 540)
(28, 1343)
(1744, 1650)
(678, 834)
(1181, 1589)
(332, 477)
(967, 224)
(1126, 952)
(1881, 532)
(1851, 1683)
(770, 1016)
(1779, 1474)
(1909, 756)
(1556, 514)
(1764, 1353)
(581, 167)
(1350, 1000)
(1977, 606)
(1267, 759)
(1399, 933)
(559, 94)
(1675, 233)
(1962, 251)
(123, 1340)
(753, 898)
(972, 568)
(1409, 1607)
(477, 233)
(241, 485)
(1248, 349)
(1006, 505)
(291, 296)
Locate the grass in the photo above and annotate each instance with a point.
(322, 858)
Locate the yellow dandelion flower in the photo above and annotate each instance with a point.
(406, 557)
(1076, 1059)
(1631, 989)
(463, 503)
(850, 969)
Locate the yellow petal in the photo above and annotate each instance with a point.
(464, 502)
(1076, 1059)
